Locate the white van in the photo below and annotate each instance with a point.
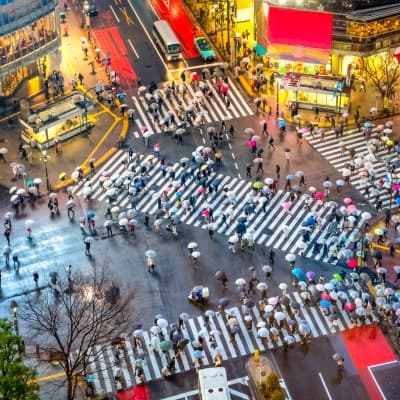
(213, 384)
(165, 37)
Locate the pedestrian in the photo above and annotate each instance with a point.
(272, 256)
(6, 254)
(265, 128)
(150, 264)
(248, 170)
(271, 143)
(36, 279)
(7, 233)
(260, 168)
(92, 166)
(211, 229)
(340, 365)
(252, 285)
(87, 247)
(109, 230)
(287, 156)
(278, 171)
(16, 262)
(0, 278)
(392, 250)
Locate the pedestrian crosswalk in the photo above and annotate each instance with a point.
(103, 363)
(263, 223)
(186, 106)
(336, 151)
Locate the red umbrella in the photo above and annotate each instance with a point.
(352, 263)
(319, 195)
(205, 212)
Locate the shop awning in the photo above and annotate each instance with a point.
(298, 54)
(260, 50)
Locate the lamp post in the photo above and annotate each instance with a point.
(46, 159)
(277, 96)
(14, 309)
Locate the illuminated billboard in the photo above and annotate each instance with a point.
(300, 28)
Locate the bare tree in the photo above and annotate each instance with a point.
(78, 313)
(383, 71)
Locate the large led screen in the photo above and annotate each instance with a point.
(300, 28)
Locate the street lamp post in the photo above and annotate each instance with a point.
(46, 159)
(277, 97)
(14, 308)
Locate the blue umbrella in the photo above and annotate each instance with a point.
(299, 274)
(260, 50)
(90, 214)
(198, 354)
(368, 124)
(396, 164)
(173, 210)
(223, 301)
(240, 228)
(178, 195)
(310, 220)
(136, 326)
(289, 177)
(324, 303)
(282, 123)
(242, 220)
(398, 201)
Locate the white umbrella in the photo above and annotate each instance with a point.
(87, 191)
(148, 134)
(273, 301)
(132, 222)
(261, 324)
(13, 198)
(299, 174)
(269, 181)
(70, 203)
(263, 332)
(266, 268)
(233, 239)
(290, 257)
(109, 222)
(280, 316)
(111, 192)
(37, 181)
(192, 245)
(75, 175)
(282, 286)
(366, 216)
(346, 172)
(108, 183)
(196, 254)
(88, 239)
(123, 222)
(269, 308)
(249, 131)
(52, 195)
(3, 150)
(115, 209)
(240, 282)
(150, 253)
(162, 323)
(130, 213)
(12, 190)
(29, 223)
(262, 286)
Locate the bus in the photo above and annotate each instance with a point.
(165, 38)
(213, 384)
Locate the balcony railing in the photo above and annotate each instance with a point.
(29, 53)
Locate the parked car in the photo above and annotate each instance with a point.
(207, 53)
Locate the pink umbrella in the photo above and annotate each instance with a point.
(380, 127)
(325, 296)
(304, 131)
(286, 205)
(205, 212)
(251, 143)
(333, 295)
(347, 200)
(201, 189)
(351, 208)
(396, 186)
(319, 195)
(219, 84)
(349, 307)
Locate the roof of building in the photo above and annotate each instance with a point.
(371, 14)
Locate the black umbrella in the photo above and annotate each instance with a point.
(242, 220)
(223, 301)
(249, 303)
(220, 275)
(377, 254)
(295, 306)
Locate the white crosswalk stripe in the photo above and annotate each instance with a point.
(103, 364)
(331, 149)
(266, 226)
(214, 107)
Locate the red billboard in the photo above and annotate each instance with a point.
(300, 28)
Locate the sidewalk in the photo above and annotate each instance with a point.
(100, 143)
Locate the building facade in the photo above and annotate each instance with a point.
(30, 42)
